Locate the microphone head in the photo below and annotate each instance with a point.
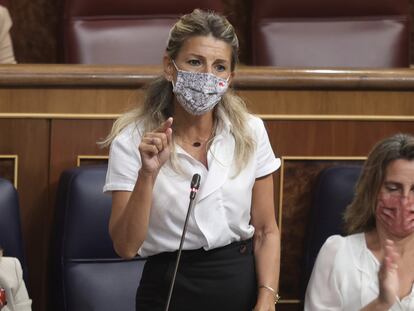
(195, 181)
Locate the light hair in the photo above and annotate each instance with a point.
(360, 214)
(158, 103)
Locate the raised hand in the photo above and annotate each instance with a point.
(155, 147)
(389, 283)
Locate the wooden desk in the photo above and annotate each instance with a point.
(53, 115)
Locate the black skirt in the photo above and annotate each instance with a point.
(220, 279)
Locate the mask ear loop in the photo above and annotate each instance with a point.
(176, 68)
(175, 65)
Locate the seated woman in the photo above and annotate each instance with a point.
(373, 267)
(13, 293)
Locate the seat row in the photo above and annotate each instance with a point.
(296, 33)
(89, 275)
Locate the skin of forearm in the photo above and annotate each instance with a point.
(129, 230)
(376, 305)
(267, 257)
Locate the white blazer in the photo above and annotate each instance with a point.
(11, 279)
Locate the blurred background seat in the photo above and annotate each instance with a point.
(88, 274)
(331, 33)
(122, 31)
(334, 191)
(10, 226)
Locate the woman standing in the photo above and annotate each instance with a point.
(192, 123)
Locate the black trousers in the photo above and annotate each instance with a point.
(215, 280)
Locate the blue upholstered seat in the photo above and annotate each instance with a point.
(88, 274)
(10, 227)
(333, 192)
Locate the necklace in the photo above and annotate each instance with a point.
(197, 143)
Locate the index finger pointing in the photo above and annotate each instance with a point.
(165, 125)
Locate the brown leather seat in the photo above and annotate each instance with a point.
(122, 31)
(331, 33)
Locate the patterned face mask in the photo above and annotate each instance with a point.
(198, 92)
(396, 213)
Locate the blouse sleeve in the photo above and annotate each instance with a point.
(323, 292)
(124, 163)
(22, 302)
(266, 161)
(6, 47)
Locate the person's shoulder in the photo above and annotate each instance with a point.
(4, 14)
(333, 244)
(5, 260)
(255, 123)
(5, 19)
(132, 131)
(356, 246)
(338, 241)
(342, 249)
(254, 120)
(3, 10)
(10, 264)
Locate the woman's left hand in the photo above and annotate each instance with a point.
(265, 301)
(389, 283)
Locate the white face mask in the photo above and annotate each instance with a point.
(198, 92)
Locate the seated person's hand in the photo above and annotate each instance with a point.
(388, 275)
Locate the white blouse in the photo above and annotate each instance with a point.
(11, 279)
(221, 213)
(345, 277)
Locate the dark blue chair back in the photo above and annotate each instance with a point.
(89, 275)
(333, 192)
(10, 227)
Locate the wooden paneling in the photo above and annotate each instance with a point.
(313, 139)
(65, 101)
(29, 140)
(9, 167)
(84, 160)
(52, 116)
(35, 30)
(294, 209)
(104, 92)
(71, 138)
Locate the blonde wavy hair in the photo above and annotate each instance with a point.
(158, 103)
(360, 214)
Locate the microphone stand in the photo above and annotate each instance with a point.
(195, 184)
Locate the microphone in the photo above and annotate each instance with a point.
(195, 184)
